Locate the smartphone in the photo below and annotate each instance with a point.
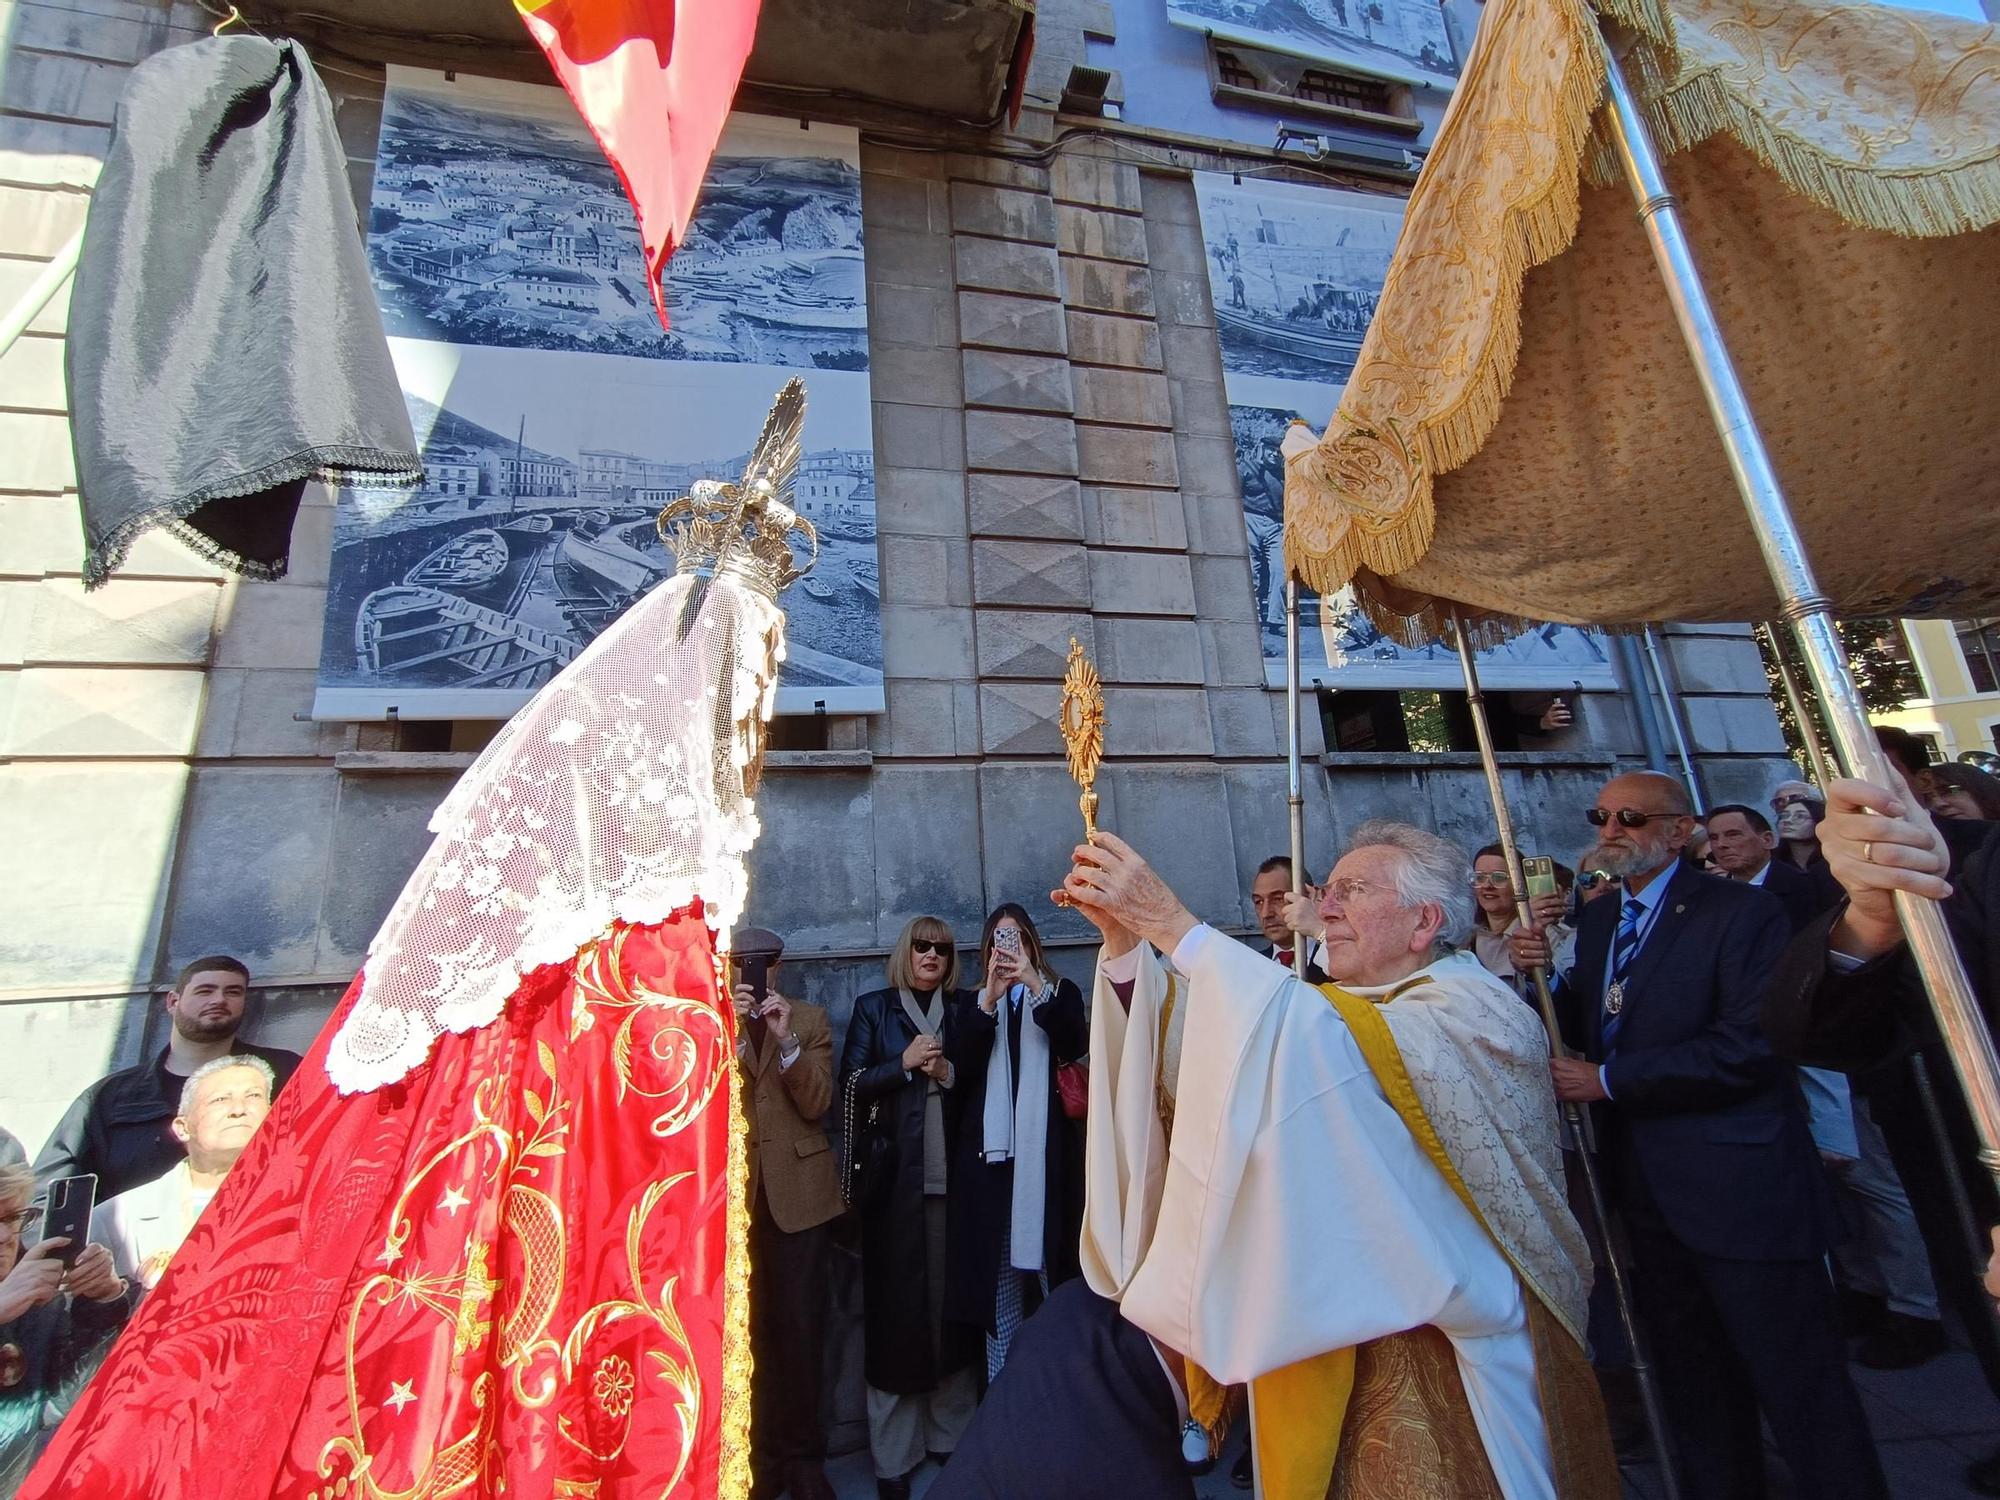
(68, 1214)
(1008, 941)
(1540, 872)
(755, 970)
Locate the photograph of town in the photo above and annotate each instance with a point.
(1405, 40)
(507, 227)
(555, 424)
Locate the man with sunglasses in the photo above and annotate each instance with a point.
(1703, 1134)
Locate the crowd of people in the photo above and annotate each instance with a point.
(1775, 1116)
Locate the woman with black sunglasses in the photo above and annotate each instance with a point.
(896, 1103)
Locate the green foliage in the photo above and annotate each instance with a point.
(1875, 654)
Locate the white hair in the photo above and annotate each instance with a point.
(222, 1064)
(1428, 871)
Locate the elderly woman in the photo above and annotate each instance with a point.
(896, 1084)
(1017, 1177)
(1961, 791)
(54, 1324)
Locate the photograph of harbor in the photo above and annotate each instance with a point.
(534, 529)
(495, 220)
(1403, 40)
(1294, 273)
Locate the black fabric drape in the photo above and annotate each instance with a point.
(224, 343)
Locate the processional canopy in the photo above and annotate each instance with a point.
(1523, 433)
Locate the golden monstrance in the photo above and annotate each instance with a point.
(1083, 730)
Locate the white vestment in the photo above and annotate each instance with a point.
(143, 1226)
(1294, 1213)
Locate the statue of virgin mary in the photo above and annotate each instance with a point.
(492, 1239)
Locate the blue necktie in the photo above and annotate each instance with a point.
(1623, 947)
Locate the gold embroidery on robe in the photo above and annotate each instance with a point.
(1409, 1433)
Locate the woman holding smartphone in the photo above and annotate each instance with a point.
(56, 1321)
(1018, 1172)
(921, 1389)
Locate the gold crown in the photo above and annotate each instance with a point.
(746, 529)
(716, 529)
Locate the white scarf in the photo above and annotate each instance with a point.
(1016, 1127)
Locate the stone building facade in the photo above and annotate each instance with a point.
(1053, 460)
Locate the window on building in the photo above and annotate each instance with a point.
(1419, 719)
(1369, 95)
(1240, 75)
(1979, 641)
(1230, 69)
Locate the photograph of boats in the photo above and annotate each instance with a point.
(1403, 40)
(495, 220)
(460, 600)
(1294, 273)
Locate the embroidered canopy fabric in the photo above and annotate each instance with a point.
(1524, 434)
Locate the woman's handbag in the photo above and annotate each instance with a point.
(867, 1153)
(1073, 1083)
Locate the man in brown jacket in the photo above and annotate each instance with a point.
(786, 1054)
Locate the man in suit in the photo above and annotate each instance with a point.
(1743, 843)
(1273, 883)
(1708, 1158)
(786, 1053)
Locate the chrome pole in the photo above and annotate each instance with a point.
(41, 291)
(1676, 720)
(1808, 609)
(1573, 1113)
(1295, 788)
(1807, 721)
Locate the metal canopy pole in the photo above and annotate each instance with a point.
(1503, 818)
(1295, 789)
(1805, 606)
(41, 291)
(1807, 721)
(1676, 720)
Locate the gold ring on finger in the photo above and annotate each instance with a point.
(1868, 852)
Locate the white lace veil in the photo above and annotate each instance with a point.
(620, 794)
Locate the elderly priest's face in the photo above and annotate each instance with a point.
(1372, 937)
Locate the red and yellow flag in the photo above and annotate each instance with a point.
(653, 79)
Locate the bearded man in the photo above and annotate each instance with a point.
(1350, 1198)
(121, 1127)
(1702, 1130)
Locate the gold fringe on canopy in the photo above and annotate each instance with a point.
(1888, 120)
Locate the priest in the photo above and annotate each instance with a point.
(1349, 1197)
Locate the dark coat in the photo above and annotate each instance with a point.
(1878, 1014)
(898, 1352)
(119, 1129)
(1704, 1118)
(983, 1192)
(1804, 894)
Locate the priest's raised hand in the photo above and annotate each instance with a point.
(1123, 898)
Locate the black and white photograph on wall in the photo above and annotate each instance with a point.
(1402, 40)
(1324, 246)
(557, 418)
(1294, 273)
(489, 226)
